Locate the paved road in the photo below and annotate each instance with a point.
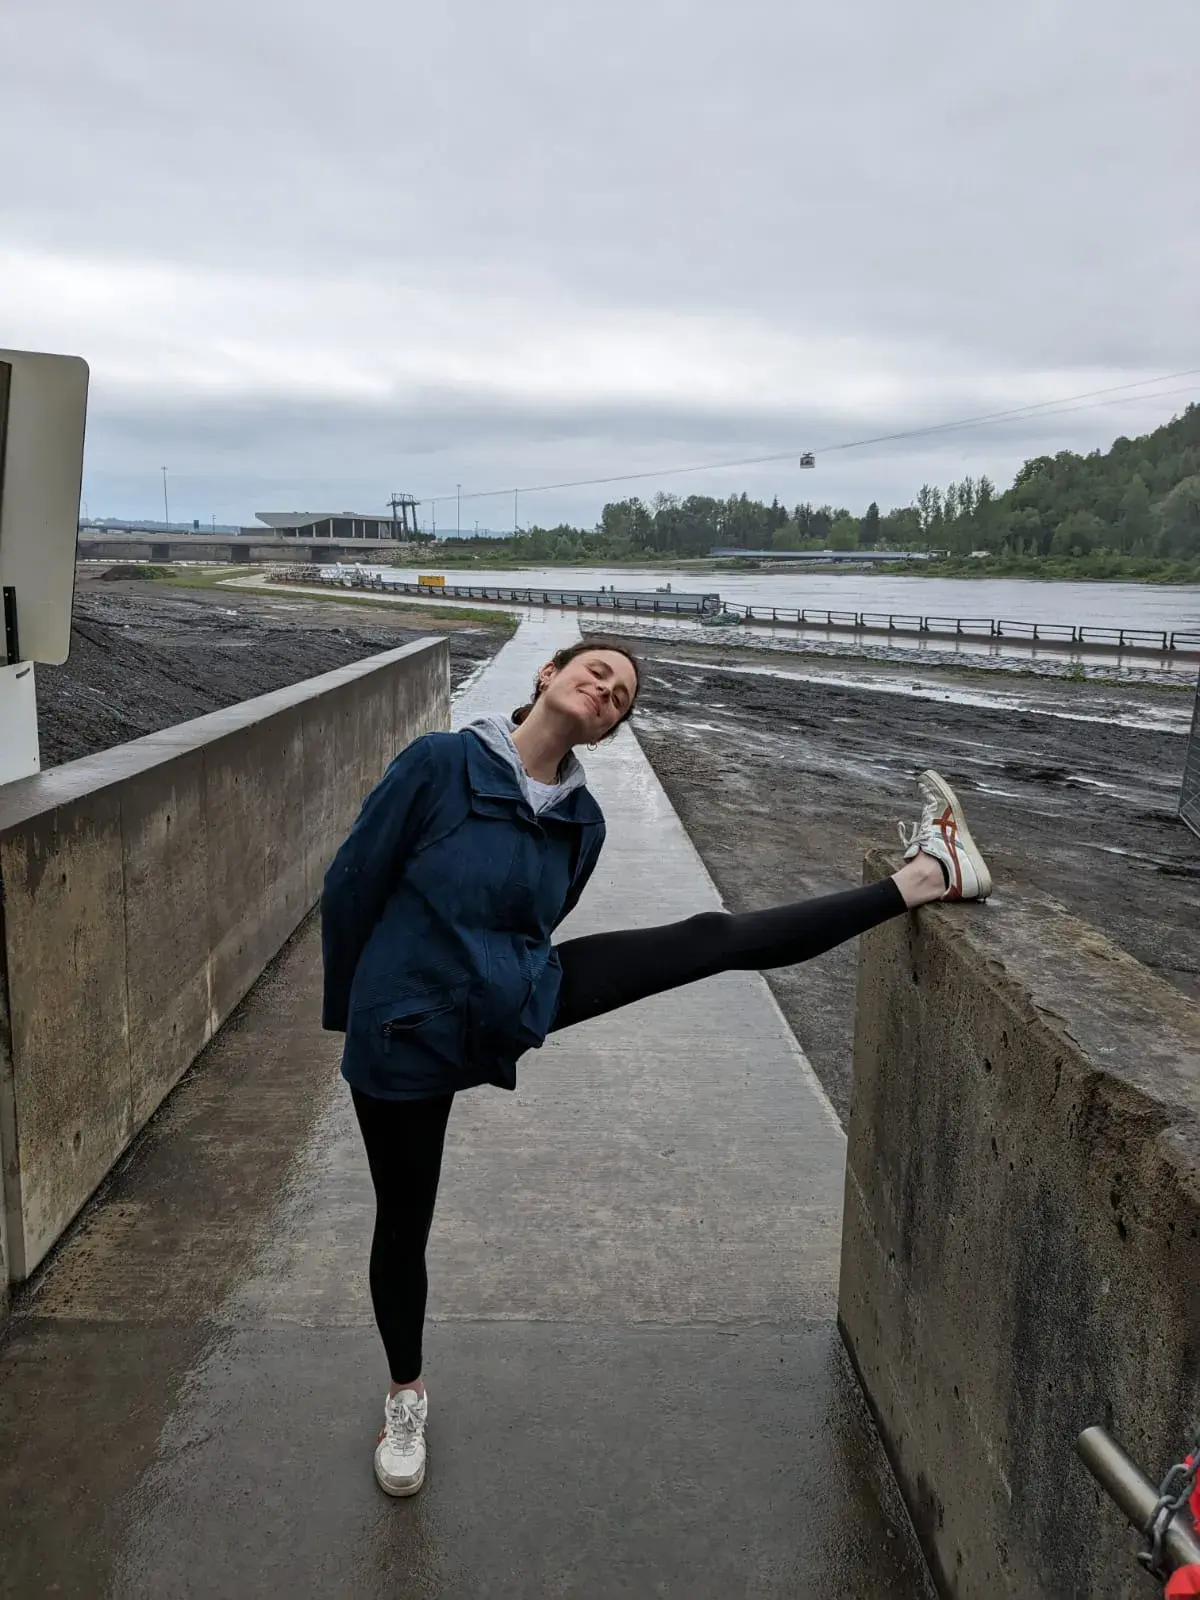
(636, 1384)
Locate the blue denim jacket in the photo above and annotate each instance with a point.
(436, 919)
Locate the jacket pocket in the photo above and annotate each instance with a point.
(432, 1024)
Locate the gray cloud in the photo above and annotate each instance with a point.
(321, 253)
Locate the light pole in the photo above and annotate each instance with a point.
(516, 492)
(458, 518)
(166, 506)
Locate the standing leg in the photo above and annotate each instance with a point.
(404, 1140)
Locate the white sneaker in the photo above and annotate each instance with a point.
(400, 1452)
(943, 834)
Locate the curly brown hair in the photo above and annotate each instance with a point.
(586, 647)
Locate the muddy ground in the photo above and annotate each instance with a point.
(783, 783)
(144, 656)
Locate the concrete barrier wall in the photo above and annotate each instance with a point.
(144, 891)
(1021, 1247)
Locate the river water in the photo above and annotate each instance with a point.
(1103, 605)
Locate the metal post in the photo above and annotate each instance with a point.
(516, 492)
(12, 636)
(166, 507)
(5, 391)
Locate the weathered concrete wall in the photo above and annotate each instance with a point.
(144, 891)
(1021, 1246)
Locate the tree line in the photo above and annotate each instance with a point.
(1140, 498)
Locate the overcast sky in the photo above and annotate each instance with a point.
(319, 252)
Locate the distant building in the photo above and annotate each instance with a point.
(401, 524)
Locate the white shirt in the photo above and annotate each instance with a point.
(541, 794)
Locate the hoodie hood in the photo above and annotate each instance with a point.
(497, 732)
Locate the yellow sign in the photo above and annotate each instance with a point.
(428, 582)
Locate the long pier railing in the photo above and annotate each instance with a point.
(659, 603)
(1064, 635)
(710, 608)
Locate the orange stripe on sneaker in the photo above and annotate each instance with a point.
(949, 832)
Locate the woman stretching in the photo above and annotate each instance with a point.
(437, 916)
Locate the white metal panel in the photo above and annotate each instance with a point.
(20, 756)
(39, 504)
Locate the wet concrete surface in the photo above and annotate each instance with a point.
(786, 771)
(636, 1384)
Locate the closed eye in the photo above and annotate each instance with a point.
(601, 670)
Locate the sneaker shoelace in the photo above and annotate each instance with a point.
(403, 1423)
(912, 833)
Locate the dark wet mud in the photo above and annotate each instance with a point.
(141, 661)
(784, 782)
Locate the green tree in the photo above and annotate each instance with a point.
(629, 522)
(985, 513)
(1136, 526)
(901, 528)
(929, 507)
(844, 534)
(1179, 519)
(1077, 535)
(869, 532)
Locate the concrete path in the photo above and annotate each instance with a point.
(636, 1385)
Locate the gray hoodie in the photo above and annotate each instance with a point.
(497, 732)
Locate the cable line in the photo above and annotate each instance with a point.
(1061, 406)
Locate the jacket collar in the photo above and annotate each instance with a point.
(494, 782)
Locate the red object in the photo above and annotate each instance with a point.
(1194, 1501)
(1184, 1581)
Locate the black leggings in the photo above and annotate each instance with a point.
(404, 1138)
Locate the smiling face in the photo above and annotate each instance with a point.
(594, 691)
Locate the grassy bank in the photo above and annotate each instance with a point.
(1075, 569)
(1065, 569)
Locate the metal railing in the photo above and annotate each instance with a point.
(1063, 634)
(662, 604)
(1174, 1541)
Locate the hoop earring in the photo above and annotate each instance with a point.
(593, 746)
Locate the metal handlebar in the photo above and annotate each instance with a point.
(1134, 1495)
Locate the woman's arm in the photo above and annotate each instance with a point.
(364, 871)
(586, 865)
